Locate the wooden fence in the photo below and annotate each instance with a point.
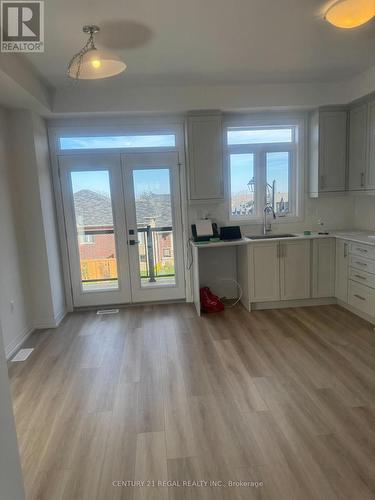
(98, 269)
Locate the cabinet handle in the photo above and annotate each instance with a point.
(360, 277)
(361, 250)
(359, 297)
(361, 264)
(345, 250)
(322, 183)
(362, 179)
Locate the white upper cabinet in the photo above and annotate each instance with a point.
(328, 147)
(205, 155)
(358, 148)
(371, 147)
(323, 268)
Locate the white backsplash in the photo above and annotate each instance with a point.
(336, 212)
(364, 212)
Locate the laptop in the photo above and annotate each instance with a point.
(230, 233)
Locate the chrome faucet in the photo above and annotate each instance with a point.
(268, 209)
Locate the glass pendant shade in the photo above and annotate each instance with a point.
(349, 14)
(96, 64)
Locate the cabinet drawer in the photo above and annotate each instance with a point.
(362, 250)
(362, 298)
(362, 264)
(363, 277)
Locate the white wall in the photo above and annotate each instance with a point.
(16, 318)
(49, 217)
(364, 212)
(36, 216)
(32, 294)
(11, 482)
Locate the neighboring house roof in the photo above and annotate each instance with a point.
(95, 209)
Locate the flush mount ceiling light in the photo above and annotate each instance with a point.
(349, 14)
(91, 63)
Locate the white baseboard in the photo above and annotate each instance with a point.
(292, 303)
(17, 342)
(357, 312)
(23, 336)
(44, 324)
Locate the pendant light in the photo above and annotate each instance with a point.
(91, 63)
(348, 14)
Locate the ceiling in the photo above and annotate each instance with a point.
(206, 41)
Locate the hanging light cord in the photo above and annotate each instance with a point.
(90, 45)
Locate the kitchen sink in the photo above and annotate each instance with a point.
(270, 236)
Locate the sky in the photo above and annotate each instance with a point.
(242, 171)
(111, 142)
(152, 180)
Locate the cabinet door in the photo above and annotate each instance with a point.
(332, 150)
(206, 180)
(342, 270)
(323, 268)
(357, 148)
(371, 147)
(295, 270)
(264, 272)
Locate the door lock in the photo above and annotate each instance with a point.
(133, 242)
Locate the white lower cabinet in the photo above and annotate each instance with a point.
(361, 294)
(279, 270)
(294, 270)
(323, 268)
(264, 271)
(362, 297)
(342, 270)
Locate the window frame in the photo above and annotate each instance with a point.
(296, 150)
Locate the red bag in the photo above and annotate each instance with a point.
(210, 302)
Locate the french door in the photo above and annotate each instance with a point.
(123, 227)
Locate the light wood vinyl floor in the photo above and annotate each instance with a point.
(155, 393)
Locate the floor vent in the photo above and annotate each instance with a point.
(22, 355)
(107, 311)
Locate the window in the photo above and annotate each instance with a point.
(167, 252)
(87, 239)
(263, 168)
(118, 141)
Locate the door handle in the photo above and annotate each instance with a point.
(133, 242)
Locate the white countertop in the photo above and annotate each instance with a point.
(352, 235)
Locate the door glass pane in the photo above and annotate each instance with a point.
(153, 206)
(242, 185)
(278, 181)
(95, 230)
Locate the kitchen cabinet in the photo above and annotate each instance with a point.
(279, 270)
(205, 157)
(323, 267)
(294, 270)
(370, 178)
(342, 270)
(328, 151)
(358, 148)
(264, 271)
